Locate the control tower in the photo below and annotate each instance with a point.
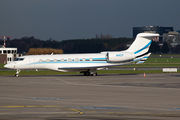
(7, 54)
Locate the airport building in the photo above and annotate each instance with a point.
(7, 54)
(172, 37)
(153, 29)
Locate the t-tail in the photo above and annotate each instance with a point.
(142, 44)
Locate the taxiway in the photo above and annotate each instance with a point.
(107, 96)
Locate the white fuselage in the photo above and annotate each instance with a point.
(71, 62)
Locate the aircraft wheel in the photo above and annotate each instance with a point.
(16, 75)
(94, 74)
(87, 73)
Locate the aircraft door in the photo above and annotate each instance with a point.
(31, 63)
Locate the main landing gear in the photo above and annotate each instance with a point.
(17, 73)
(88, 73)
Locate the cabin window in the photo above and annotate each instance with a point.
(62, 60)
(84, 59)
(0, 51)
(47, 60)
(69, 59)
(76, 59)
(90, 59)
(55, 60)
(9, 51)
(9, 59)
(4, 51)
(40, 60)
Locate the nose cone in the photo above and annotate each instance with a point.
(5, 66)
(9, 65)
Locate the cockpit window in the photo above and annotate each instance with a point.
(19, 59)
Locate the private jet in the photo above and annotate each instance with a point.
(88, 63)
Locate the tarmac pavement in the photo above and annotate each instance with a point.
(104, 97)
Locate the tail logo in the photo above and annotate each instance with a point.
(143, 47)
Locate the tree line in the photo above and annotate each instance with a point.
(94, 45)
(40, 51)
(164, 48)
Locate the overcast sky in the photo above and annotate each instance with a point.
(74, 19)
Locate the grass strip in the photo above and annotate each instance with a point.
(33, 72)
(2, 65)
(48, 72)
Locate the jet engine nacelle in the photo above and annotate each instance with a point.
(119, 56)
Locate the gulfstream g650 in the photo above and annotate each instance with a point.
(88, 63)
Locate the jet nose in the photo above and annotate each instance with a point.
(8, 66)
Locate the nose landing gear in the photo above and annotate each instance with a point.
(17, 73)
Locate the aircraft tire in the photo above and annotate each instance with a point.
(94, 74)
(16, 75)
(87, 73)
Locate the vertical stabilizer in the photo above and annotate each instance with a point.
(142, 43)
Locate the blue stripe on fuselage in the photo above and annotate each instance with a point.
(95, 60)
(70, 62)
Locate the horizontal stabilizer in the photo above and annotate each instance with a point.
(142, 59)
